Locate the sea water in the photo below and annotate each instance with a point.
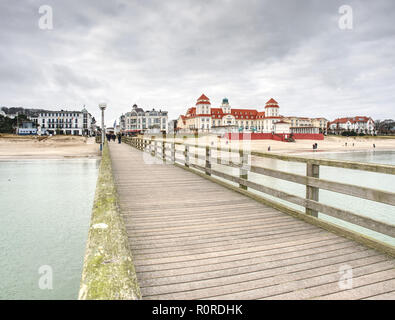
(45, 208)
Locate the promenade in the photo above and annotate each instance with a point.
(194, 239)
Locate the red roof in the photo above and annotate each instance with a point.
(203, 97)
(217, 113)
(203, 100)
(244, 113)
(272, 101)
(272, 104)
(351, 119)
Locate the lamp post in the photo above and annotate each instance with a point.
(102, 107)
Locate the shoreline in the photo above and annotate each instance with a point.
(343, 151)
(34, 157)
(57, 148)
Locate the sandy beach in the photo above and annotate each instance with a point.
(61, 147)
(55, 147)
(329, 144)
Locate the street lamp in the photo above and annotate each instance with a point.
(102, 107)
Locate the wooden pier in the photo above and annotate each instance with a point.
(194, 238)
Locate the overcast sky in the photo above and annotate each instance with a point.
(165, 54)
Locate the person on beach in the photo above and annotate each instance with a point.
(268, 149)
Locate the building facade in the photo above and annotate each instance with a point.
(66, 122)
(141, 121)
(307, 125)
(358, 124)
(27, 128)
(204, 118)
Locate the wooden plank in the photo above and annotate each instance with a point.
(217, 241)
(256, 286)
(365, 286)
(306, 254)
(228, 248)
(271, 267)
(382, 296)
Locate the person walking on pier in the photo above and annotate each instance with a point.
(119, 138)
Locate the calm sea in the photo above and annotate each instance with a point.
(44, 221)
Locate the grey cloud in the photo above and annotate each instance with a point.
(166, 53)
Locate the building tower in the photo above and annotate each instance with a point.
(272, 115)
(225, 106)
(203, 105)
(203, 113)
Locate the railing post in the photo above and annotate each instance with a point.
(154, 149)
(208, 161)
(312, 193)
(163, 151)
(173, 152)
(196, 153)
(186, 153)
(243, 171)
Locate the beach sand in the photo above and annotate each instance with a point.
(55, 147)
(60, 147)
(329, 144)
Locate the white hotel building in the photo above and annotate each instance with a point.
(205, 118)
(66, 122)
(139, 120)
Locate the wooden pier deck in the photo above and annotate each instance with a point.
(194, 239)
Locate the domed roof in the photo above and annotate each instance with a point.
(137, 109)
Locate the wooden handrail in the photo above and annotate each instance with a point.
(311, 180)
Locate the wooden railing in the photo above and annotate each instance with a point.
(168, 151)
